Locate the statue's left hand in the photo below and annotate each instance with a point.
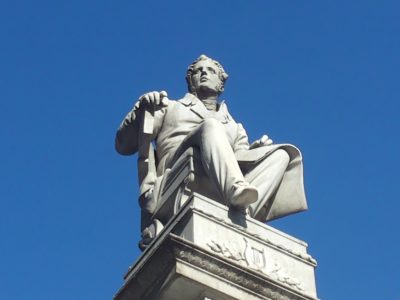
(263, 141)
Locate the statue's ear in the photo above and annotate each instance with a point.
(221, 88)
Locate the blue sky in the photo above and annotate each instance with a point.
(323, 75)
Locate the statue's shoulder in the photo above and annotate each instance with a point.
(187, 100)
(178, 103)
(174, 106)
(184, 102)
(225, 111)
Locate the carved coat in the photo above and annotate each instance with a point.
(175, 121)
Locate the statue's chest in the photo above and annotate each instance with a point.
(184, 119)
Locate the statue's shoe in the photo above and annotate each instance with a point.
(243, 195)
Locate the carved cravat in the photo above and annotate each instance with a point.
(210, 104)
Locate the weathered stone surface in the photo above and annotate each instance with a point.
(198, 176)
(265, 178)
(209, 251)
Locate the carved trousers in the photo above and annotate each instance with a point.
(221, 166)
(266, 176)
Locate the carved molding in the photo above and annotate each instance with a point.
(195, 256)
(255, 259)
(301, 256)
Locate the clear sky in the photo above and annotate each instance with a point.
(323, 75)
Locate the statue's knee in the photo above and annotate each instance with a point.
(282, 156)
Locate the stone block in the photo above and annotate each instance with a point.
(208, 251)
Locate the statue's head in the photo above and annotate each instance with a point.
(206, 74)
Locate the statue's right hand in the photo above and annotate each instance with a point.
(154, 99)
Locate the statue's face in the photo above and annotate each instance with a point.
(205, 76)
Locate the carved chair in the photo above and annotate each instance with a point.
(172, 189)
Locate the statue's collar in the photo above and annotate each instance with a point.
(191, 100)
(198, 108)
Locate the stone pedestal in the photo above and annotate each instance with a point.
(208, 252)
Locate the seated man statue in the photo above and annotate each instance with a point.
(262, 179)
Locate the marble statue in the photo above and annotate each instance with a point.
(262, 179)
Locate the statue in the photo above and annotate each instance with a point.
(197, 132)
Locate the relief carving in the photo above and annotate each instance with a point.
(254, 258)
(229, 250)
(279, 274)
(218, 268)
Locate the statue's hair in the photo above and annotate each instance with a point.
(221, 73)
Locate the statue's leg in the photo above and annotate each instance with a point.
(219, 163)
(267, 176)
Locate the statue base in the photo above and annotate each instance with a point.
(209, 252)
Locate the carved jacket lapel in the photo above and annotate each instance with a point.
(195, 105)
(201, 111)
(223, 110)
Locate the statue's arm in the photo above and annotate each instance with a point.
(242, 140)
(126, 140)
(146, 118)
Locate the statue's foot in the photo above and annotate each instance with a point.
(243, 195)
